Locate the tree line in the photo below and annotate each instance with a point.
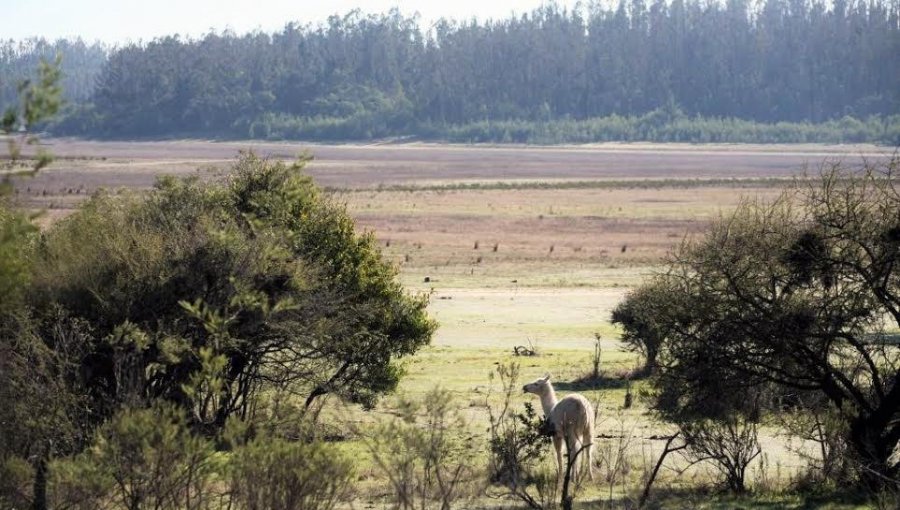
(80, 66)
(541, 76)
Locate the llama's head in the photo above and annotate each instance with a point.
(539, 387)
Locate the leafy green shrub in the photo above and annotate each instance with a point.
(38, 100)
(426, 453)
(80, 483)
(149, 458)
(42, 409)
(274, 474)
(154, 460)
(350, 112)
(518, 445)
(16, 479)
(667, 125)
(141, 458)
(640, 332)
(15, 233)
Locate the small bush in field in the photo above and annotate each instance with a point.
(729, 444)
(274, 474)
(153, 460)
(149, 458)
(79, 483)
(16, 475)
(426, 453)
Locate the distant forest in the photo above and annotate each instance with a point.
(694, 70)
(81, 65)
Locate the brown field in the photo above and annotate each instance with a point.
(516, 244)
(607, 204)
(135, 164)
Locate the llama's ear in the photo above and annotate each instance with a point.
(547, 376)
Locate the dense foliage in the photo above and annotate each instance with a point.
(150, 458)
(660, 70)
(797, 301)
(208, 296)
(261, 279)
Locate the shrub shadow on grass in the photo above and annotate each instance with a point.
(590, 382)
(715, 500)
(833, 499)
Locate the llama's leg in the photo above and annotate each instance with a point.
(573, 453)
(589, 451)
(557, 445)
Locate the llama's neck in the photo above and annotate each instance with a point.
(548, 401)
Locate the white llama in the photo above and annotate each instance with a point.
(572, 420)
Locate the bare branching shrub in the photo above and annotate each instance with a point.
(767, 480)
(274, 474)
(673, 444)
(426, 453)
(729, 444)
(546, 485)
(830, 461)
(629, 396)
(614, 457)
(570, 484)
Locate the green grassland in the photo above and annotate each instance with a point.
(488, 301)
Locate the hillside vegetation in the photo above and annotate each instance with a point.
(779, 71)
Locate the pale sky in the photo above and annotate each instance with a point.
(118, 21)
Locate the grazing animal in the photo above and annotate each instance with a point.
(572, 421)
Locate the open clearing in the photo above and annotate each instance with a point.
(516, 245)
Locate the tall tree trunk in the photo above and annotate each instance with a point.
(873, 454)
(40, 485)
